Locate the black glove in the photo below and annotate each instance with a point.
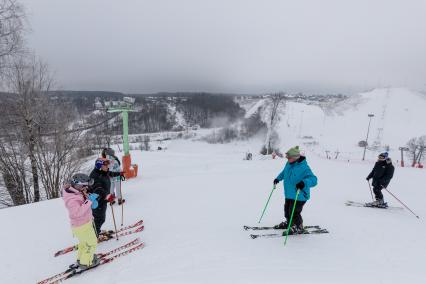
(300, 185)
(276, 181)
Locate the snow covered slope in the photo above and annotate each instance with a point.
(398, 117)
(195, 198)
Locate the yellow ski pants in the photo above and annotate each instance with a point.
(87, 242)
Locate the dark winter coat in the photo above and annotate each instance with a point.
(382, 173)
(101, 186)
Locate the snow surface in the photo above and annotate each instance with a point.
(195, 197)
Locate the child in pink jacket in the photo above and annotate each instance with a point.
(79, 205)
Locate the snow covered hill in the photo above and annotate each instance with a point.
(195, 197)
(398, 117)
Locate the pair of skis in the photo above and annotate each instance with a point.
(105, 258)
(363, 204)
(125, 231)
(306, 230)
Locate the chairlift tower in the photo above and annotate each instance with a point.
(370, 115)
(126, 106)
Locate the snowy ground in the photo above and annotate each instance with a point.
(196, 197)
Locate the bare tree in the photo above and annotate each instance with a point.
(57, 154)
(12, 25)
(13, 170)
(275, 101)
(41, 126)
(28, 79)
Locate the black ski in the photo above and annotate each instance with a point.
(277, 235)
(272, 228)
(362, 204)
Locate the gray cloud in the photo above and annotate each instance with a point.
(231, 46)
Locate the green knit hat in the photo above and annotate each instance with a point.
(293, 152)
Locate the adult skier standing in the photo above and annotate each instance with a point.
(381, 174)
(101, 186)
(79, 205)
(297, 175)
(114, 167)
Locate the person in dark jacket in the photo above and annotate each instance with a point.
(296, 176)
(101, 186)
(381, 174)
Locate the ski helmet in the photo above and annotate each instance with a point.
(101, 162)
(384, 155)
(108, 152)
(80, 180)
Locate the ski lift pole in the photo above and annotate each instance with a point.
(267, 202)
(401, 202)
(371, 191)
(291, 217)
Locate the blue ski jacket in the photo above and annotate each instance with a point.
(292, 174)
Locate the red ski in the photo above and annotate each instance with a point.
(100, 255)
(124, 232)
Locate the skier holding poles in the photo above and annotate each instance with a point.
(381, 174)
(101, 176)
(115, 167)
(298, 180)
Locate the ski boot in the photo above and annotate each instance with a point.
(295, 230)
(380, 203)
(104, 236)
(75, 265)
(282, 225)
(121, 201)
(95, 262)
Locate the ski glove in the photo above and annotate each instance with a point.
(93, 197)
(300, 185)
(276, 181)
(110, 198)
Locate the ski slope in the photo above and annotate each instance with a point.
(398, 117)
(195, 198)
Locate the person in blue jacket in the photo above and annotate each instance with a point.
(297, 175)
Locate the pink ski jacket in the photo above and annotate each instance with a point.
(79, 210)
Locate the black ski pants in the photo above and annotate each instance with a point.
(288, 207)
(377, 189)
(99, 217)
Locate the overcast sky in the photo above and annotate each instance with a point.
(231, 46)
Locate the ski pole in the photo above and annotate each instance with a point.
(291, 217)
(267, 202)
(369, 185)
(122, 205)
(401, 202)
(122, 213)
(113, 218)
